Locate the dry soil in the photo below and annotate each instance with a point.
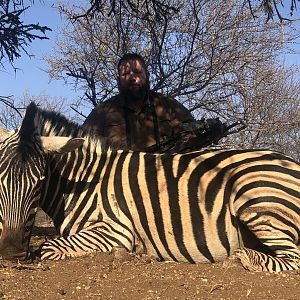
(122, 276)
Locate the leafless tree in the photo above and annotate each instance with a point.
(272, 112)
(198, 56)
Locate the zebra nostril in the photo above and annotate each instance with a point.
(12, 245)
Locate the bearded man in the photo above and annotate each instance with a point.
(139, 118)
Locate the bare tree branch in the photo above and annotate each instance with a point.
(156, 11)
(144, 9)
(7, 100)
(271, 9)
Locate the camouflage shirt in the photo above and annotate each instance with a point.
(158, 120)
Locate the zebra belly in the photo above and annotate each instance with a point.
(193, 249)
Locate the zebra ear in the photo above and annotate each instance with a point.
(4, 134)
(60, 144)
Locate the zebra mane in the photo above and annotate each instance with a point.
(46, 122)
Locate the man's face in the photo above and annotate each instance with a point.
(133, 78)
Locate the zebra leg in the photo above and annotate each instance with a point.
(256, 261)
(276, 231)
(96, 238)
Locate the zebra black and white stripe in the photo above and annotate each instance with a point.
(194, 207)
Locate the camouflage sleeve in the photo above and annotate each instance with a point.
(179, 115)
(95, 120)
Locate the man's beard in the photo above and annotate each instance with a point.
(136, 94)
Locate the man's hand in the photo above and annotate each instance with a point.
(215, 129)
(203, 133)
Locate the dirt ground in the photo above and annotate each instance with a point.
(118, 276)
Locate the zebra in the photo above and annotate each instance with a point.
(195, 207)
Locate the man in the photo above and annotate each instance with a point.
(138, 118)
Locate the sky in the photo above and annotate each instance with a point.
(31, 77)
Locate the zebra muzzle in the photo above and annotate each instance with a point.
(12, 245)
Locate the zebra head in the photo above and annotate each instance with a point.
(23, 164)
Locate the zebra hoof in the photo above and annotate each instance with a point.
(120, 255)
(243, 257)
